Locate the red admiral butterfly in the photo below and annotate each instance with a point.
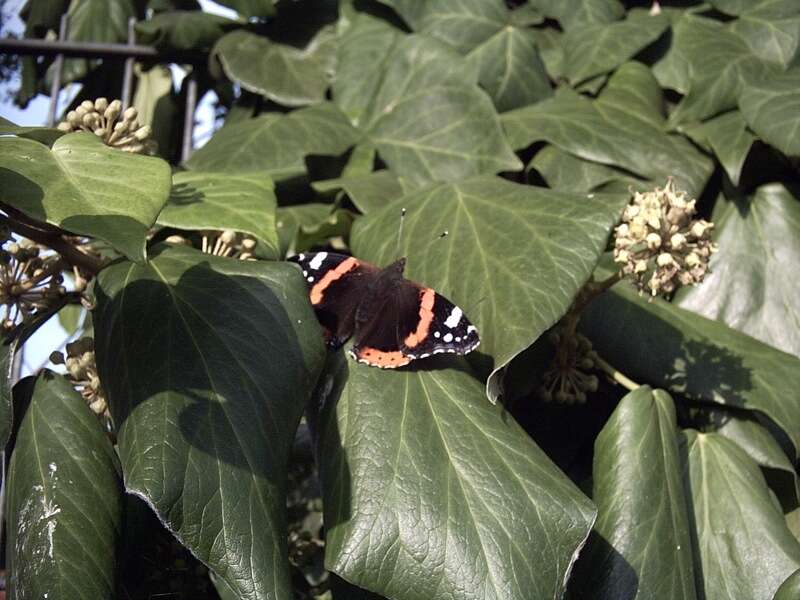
(393, 320)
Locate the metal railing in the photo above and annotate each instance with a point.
(130, 52)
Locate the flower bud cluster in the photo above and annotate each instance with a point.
(659, 245)
(82, 372)
(30, 280)
(567, 380)
(226, 243)
(103, 119)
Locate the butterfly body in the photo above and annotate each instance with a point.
(392, 320)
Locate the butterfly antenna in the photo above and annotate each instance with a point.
(400, 231)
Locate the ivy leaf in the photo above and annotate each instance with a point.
(426, 120)
(597, 48)
(772, 30)
(768, 104)
(744, 547)
(64, 499)
(367, 192)
(568, 173)
(282, 73)
(641, 543)
(512, 286)
(747, 287)
(412, 465)
(730, 140)
(658, 343)
(184, 30)
(573, 13)
(790, 588)
(623, 134)
(207, 364)
(86, 187)
(241, 202)
(289, 220)
(7, 350)
(44, 135)
(276, 144)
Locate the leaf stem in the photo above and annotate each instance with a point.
(620, 378)
(50, 236)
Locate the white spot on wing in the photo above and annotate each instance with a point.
(448, 337)
(436, 334)
(310, 279)
(454, 318)
(471, 328)
(317, 261)
(302, 257)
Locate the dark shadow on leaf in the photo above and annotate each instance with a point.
(602, 572)
(184, 193)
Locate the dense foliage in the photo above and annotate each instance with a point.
(600, 443)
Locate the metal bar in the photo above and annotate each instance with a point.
(84, 49)
(127, 78)
(58, 68)
(188, 119)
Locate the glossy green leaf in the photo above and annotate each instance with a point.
(284, 74)
(790, 589)
(598, 48)
(289, 219)
(641, 545)
(613, 130)
(769, 105)
(748, 288)
(510, 68)
(513, 259)
(70, 317)
(730, 140)
(367, 192)
(7, 349)
(64, 500)
(761, 446)
(573, 13)
(658, 343)
(183, 30)
(207, 364)
(251, 8)
(566, 172)
(45, 135)
(242, 202)
(95, 21)
(276, 144)
(772, 30)
(432, 493)
(505, 55)
(86, 187)
(427, 120)
(745, 549)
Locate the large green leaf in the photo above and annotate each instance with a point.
(7, 349)
(641, 545)
(744, 547)
(367, 192)
(748, 288)
(790, 589)
(86, 187)
(658, 343)
(505, 55)
(242, 202)
(709, 64)
(615, 130)
(44, 135)
(184, 30)
(514, 258)
(289, 220)
(729, 138)
(64, 500)
(95, 21)
(769, 105)
(597, 48)
(772, 30)
(426, 118)
(432, 493)
(284, 74)
(276, 144)
(573, 13)
(207, 364)
(566, 172)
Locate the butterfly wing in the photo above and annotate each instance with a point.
(336, 284)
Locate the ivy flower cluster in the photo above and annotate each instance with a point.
(226, 243)
(102, 118)
(566, 381)
(659, 244)
(82, 372)
(30, 281)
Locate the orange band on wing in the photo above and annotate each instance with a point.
(428, 297)
(331, 276)
(379, 358)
